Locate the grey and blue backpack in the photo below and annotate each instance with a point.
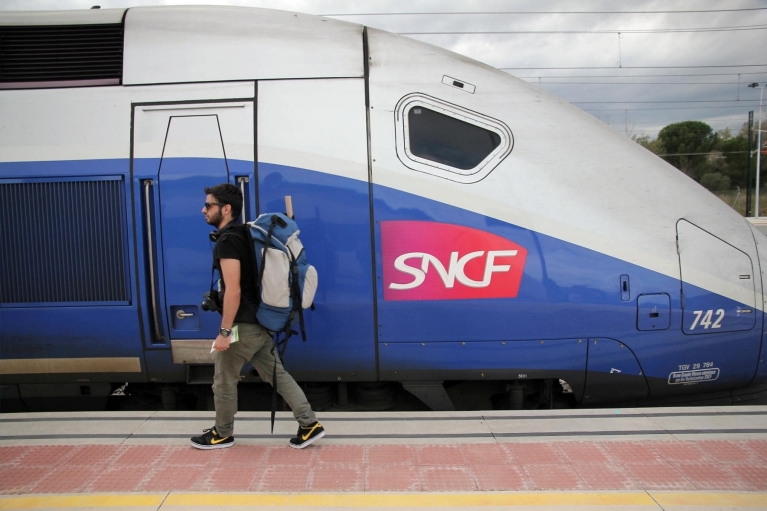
(286, 283)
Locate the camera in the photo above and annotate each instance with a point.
(211, 302)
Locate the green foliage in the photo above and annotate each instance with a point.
(724, 134)
(735, 151)
(685, 141)
(715, 181)
(713, 164)
(652, 145)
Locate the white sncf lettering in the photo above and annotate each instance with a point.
(455, 270)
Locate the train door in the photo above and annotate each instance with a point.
(178, 150)
(312, 146)
(725, 306)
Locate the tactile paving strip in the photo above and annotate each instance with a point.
(734, 465)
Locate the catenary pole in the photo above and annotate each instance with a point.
(759, 150)
(749, 211)
(758, 147)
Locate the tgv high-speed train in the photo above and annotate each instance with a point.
(466, 226)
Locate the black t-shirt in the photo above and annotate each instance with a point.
(232, 244)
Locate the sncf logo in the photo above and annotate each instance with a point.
(434, 261)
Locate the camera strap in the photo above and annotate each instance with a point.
(213, 270)
(212, 280)
(215, 237)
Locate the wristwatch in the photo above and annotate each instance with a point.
(226, 332)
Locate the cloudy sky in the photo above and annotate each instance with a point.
(636, 65)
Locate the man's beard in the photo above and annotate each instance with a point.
(215, 219)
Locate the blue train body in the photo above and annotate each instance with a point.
(624, 279)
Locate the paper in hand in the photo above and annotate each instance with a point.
(235, 337)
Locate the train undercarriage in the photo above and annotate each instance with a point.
(341, 396)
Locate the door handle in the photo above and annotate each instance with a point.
(242, 180)
(147, 196)
(180, 314)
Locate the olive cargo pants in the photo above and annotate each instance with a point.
(255, 345)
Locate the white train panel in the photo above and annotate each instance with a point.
(167, 45)
(91, 123)
(82, 17)
(314, 124)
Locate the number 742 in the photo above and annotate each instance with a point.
(703, 318)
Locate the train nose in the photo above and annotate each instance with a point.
(759, 231)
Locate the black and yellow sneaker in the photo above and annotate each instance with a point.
(211, 440)
(307, 435)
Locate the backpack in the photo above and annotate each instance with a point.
(285, 282)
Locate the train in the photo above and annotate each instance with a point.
(468, 228)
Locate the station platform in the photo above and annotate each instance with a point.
(629, 459)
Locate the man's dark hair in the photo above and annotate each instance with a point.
(226, 193)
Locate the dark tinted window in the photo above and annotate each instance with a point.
(447, 140)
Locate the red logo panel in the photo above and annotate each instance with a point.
(435, 261)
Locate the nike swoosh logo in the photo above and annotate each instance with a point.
(306, 436)
(214, 441)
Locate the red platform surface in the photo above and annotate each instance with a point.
(733, 465)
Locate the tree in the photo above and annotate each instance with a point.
(715, 181)
(724, 134)
(687, 145)
(653, 145)
(735, 152)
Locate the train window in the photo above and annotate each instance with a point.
(448, 141)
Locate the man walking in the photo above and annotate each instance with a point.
(237, 298)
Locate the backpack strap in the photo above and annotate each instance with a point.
(275, 354)
(297, 298)
(254, 261)
(276, 220)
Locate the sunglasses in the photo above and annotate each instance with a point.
(208, 205)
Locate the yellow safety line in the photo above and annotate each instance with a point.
(728, 499)
(392, 500)
(95, 501)
(314, 500)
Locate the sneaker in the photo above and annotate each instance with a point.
(307, 435)
(211, 440)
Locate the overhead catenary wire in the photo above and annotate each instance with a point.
(644, 130)
(612, 31)
(639, 76)
(640, 67)
(729, 117)
(700, 107)
(666, 101)
(639, 83)
(703, 154)
(738, 118)
(686, 11)
(654, 126)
